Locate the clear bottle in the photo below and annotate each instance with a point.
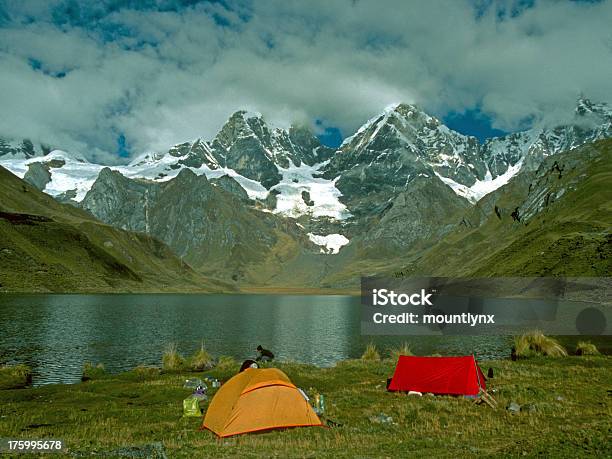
(321, 404)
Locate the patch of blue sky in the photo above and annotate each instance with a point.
(473, 122)
(329, 136)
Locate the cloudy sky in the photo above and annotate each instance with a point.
(115, 78)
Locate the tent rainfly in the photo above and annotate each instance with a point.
(258, 399)
(438, 375)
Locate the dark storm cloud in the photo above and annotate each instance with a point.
(81, 74)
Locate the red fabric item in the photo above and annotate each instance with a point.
(438, 375)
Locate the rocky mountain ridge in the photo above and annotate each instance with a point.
(206, 222)
(401, 143)
(255, 199)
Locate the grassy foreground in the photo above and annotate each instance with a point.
(566, 413)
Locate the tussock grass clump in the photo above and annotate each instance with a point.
(172, 360)
(227, 363)
(201, 360)
(370, 353)
(586, 348)
(92, 371)
(395, 353)
(20, 371)
(15, 376)
(144, 373)
(536, 343)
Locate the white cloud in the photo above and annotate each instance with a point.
(161, 77)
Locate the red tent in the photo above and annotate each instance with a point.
(438, 375)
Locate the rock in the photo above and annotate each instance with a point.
(67, 197)
(381, 418)
(56, 163)
(513, 407)
(38, 175)
(516, 215)
(306, 198)
(230, 185)
(271, 200)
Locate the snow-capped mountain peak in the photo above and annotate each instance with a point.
(406, 140)
(383, 156)
(585, 106)
(592, 121)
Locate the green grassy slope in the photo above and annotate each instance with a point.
(48, 246)
(570, 236)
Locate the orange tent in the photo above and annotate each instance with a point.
(258, 399)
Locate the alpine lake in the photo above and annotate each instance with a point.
(56, 334)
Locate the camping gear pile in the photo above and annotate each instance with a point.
(192, 383)
(214, 382)
(200, 393)
(191, 405)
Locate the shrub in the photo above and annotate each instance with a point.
(370, 353)
(201, 360)
(586, 348)
(404, 349)
(535, 343)
(15, 376)
(91, 371)
(172, 360)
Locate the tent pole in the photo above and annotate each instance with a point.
(484, 395)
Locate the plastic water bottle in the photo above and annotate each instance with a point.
(321, 403)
